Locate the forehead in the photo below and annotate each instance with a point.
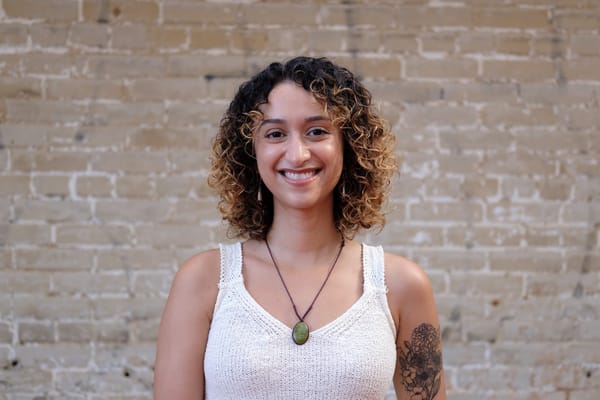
(290, 98)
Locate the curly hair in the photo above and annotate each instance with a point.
(369, 161)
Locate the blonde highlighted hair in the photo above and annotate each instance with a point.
(369, 161)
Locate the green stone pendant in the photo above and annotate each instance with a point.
(300, 333)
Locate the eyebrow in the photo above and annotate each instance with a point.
(281, 121)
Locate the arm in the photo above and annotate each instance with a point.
(179, 366)
(419, 370)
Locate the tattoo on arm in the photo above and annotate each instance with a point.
(421, 363)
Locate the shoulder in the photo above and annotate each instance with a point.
(202, 265)
(199, 271)
(197, 279)
(406, 281)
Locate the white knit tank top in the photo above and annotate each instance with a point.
(250, 354)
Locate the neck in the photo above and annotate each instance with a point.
(304, 233)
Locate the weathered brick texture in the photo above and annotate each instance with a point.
(107, 108)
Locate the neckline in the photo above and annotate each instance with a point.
(251, 301)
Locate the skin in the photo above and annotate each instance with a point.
(300, 159)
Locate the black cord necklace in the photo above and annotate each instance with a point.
(300, 332)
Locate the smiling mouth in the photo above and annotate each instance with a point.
(297, 176)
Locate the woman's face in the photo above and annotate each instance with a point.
(299, 151)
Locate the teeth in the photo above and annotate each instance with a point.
(298, 175)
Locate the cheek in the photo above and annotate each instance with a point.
(263, 160)
(336, 154)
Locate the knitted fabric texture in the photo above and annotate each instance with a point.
(250, 354)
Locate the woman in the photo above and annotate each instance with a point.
(299, 310)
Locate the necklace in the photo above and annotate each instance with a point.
(300, 332)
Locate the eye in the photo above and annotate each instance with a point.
(274, 134)
(317, 132)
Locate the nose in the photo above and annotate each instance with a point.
(297, 151)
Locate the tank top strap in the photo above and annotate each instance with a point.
(373, 266)
(374, 274)
(231, 263)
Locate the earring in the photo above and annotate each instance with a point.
(259, 194)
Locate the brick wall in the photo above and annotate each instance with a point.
(106, 110)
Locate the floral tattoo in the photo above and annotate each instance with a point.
(421, 363)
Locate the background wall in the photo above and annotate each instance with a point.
(106, 114)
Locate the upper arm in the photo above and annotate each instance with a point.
(419, 370)
(183, 332)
